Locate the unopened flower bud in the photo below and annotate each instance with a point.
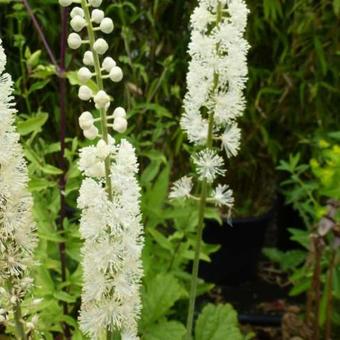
(101, 99)
(106, 25)
(77, 11)
(116, 74)
(65, 3)
(85, 93)
(108, 64)
(78, 23)
(86, 120)
(74, 41)
(103, 150)
(100, 46)
(119, 112)
(95, 3)
(97, 170)
(97, 16)
(88, 58)
(120, 125)
(84, 75)
(91, 133)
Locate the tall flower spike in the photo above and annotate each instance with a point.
(214, 100)
(109, 195)
(17, 237)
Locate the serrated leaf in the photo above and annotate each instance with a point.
(218, 322)
(166, 330)
(161, 293)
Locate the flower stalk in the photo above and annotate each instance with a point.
(109, 195)
(214, 100)
(17, 227)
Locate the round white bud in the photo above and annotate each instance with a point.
(77, 11)
(97, 170)
(85, 93)
(74, 41)
(91, 133)
(119, 112)
(95, 3)
(120, 124)
(65, 3)
(102, 149)
(84, 75)
(88, 58)
(97, 16)
(116, 74)
(108, 64)
(78, 23)
(101, 99)
(86, 120)
(106, 25)
(100, 46)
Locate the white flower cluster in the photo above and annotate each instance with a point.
(113, 244)
(109, 196)
(108, 67)
(17, 238)
(216, 80)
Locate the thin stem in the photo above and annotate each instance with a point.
(201, 210)
(23, 71)
(63, 167)
(19, 327)
(104, 127)
(41, 34)
(194, 276)
(329, 312)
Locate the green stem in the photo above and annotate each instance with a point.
(19, 327)
(201, 211)
(194, 276)
(99, 79)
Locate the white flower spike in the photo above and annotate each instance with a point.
(110, 195)
(17, 227)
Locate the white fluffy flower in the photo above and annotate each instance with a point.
(231, 139)
(17, 237)
(208, 165)
(218, 67)
(181, 188)
(223, 195)
(112, 232)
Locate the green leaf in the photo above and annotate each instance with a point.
(32, 124)
(63, 296)
(160, 295)
(165, 330)
(336, 7)
(39, 184)
(218, 322)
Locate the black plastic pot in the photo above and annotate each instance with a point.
(241, 244)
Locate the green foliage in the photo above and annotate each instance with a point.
(218, 323)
